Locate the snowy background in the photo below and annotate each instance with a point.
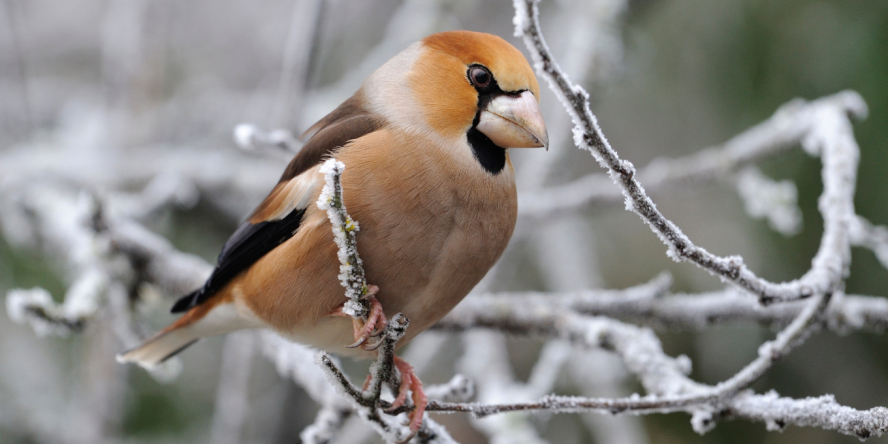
(130, 106)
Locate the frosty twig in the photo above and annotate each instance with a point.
(827, 134)
(351, 268)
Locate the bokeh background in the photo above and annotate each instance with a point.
(668, 78)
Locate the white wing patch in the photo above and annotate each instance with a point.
(295, 194)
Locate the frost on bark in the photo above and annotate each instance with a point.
(89, 219)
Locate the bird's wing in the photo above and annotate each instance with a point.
(278, 217)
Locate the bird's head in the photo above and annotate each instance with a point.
(467, 85)
(474, 81)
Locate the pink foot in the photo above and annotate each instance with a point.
(375, 322)
(409, 381)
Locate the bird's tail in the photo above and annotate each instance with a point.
(204, 320)
(159, 348)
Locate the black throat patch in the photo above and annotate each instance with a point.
(491, 156)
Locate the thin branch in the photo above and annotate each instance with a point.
(828, 135)
(652, 305)
(327, 423)
(345, 229)
(824, 412)
(658, 373)
(865, 234)
(664, 377)
(79, 238)
(351, 276)
(368, 403)
(775, 136)
(775, 411)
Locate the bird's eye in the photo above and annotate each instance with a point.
(479, 76)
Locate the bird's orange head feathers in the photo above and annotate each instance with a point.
(440, 82)
(461, 88)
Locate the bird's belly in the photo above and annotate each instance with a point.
(422, 271)
(423, 291)
(449, 256)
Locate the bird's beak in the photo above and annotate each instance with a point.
(514, 122)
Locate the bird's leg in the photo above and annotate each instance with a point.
(370, 327)
(406, 380)
(411, 382)
(375, 320)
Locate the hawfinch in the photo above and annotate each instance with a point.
(427, 175)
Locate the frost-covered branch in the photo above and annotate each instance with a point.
(641, 345)
(865, 234)
(775, 136)
(648, 301)
(653, 305)
(82, 241)
(828, 134)
(778, 412)
(665, 378)
(648, 362)
(351, 269)
(368, 402)
(99, 248)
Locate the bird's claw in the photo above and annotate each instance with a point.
(374, 346)
(357, 343)
(410, 382)
(373, 327)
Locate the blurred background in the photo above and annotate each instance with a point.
(108, 94)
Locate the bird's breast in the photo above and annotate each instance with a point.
(432, 223)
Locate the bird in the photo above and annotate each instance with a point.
(426, 145)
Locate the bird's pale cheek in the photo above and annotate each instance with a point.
(514, 122)
(445, 99)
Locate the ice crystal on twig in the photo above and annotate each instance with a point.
(351, 268)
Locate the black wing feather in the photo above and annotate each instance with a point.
(249, 243)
